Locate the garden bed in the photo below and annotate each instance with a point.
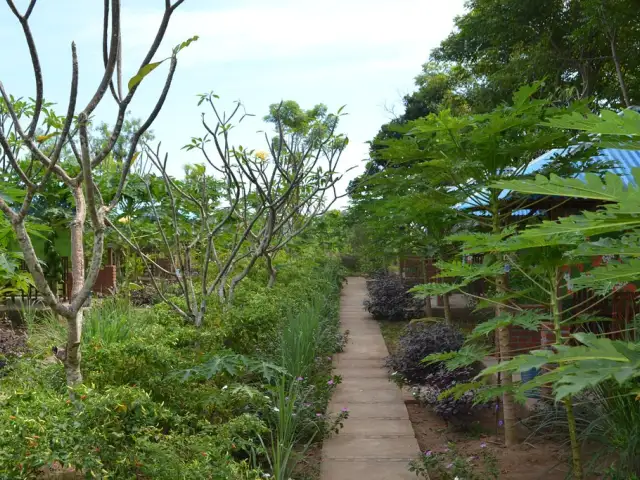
(528, 461)
(539, 459)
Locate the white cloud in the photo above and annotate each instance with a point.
(284, 29)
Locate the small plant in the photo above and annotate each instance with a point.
(418, 341)
(448, 407)
(389, 299)
(294, 425)
(450, 464)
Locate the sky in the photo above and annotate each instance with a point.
(363, 54)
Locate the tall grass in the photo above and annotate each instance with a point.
(306, 335)
(44, 328)
(301, 338)
(111, 321)
(616, 425)
(291, 431)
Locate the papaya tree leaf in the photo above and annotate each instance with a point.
(609, 277)
(430, 289)
(468, 354)
(527, 320)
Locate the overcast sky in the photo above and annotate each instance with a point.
(360, 53)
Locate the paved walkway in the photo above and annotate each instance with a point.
(377, 441)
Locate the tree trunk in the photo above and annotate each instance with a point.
(556, 312)
(198, 318)
(72, 353)
(576, 459)
(428, 308)
(447, 309)
(616, 61)
(504, 346)
(272, 272)
(503, 342)
(77, 242)
(74, 321)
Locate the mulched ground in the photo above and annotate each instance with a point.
(13, 341)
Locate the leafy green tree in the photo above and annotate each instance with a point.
(581, 46)
(459, 158)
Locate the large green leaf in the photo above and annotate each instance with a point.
(608, 277)
(143, 72)
(469, 271)
(628, 245)
(596, 360)
(430, 289)
(586, 225)
(467, 355)
(527, 320)
(606, 123)
(233, 365)
(611, 189)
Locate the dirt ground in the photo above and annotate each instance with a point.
(529, 461)
(13, 341)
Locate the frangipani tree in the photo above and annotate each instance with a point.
(262, 201)
(34, 143)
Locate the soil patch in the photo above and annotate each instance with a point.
(13, 341)
(529, 461)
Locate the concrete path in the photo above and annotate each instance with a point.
(377, 441)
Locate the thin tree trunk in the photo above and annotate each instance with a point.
(573, 435)
(568, 402)
(447, 309)
(503, 343)
(272, 272)
(428, 308)
(616, 61)
(72, 354)
(77, 242)
(74, 322)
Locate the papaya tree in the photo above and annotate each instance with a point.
(461, 157)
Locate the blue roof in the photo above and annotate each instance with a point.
(625, 160)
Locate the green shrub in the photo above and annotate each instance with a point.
(140, 416)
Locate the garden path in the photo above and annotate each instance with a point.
(377, 440)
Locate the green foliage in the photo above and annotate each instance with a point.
(234, 365)
(609, 277)
(166, 400)
(468, 354)
(617, 130)
(527, 320)
(610, 189)
(150, 67)
(111, 321)
(593, 362)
